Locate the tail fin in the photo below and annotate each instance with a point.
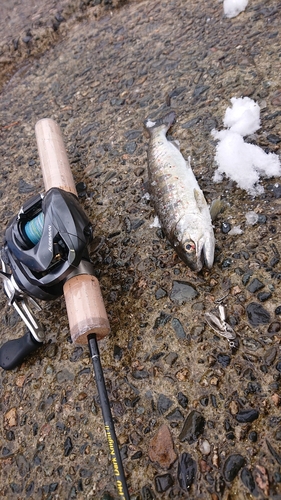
(166, 121)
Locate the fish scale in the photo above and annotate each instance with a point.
(178, 200)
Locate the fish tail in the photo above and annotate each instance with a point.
(166, 120)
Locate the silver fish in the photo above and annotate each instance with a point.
(178, 200)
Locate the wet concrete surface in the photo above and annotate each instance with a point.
(99, 73)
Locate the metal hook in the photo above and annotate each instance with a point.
(221, 326)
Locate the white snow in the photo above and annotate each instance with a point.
(232, 8)
(235, 231)
(146, 196)
(150, 123)
(155, 223)
(243, 117)
(240, 161)
(251, 218)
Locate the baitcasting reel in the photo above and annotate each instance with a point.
(44, 244)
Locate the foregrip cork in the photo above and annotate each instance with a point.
(83, 298)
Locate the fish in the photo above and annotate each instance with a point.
(178, 201)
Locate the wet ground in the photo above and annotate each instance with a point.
(99, 69)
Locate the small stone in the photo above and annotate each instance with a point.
(276, 399)
(140, 374)
(193, 427)
(204, 466)
(273, 452)
(233, 408)
(68, 447)
(215, 458)
(130, 147)
(10, 435)
(147, 493)
(182, 291)
(11, 418)
(214, 381)
(191, 123)
(277, 190)
(117, 352)
(253, 436)
(24, 187)
(261, 477)
(163, 483)
(257, 315)
(251, 344)
(223, 359)
(232, 466)
(274, 327)
(205, 447)
(161, 448)
(81, 189)
(247, 479)
(204, 401)
(182, 375)
(178, 328)
(270, 355)
(199, 90)
(255, 285)
(248, 415)
(278, 366)
(263, 296)
(171, 358)
(274, 139)
(64, 376)
(160, 293)
(163, 404)
(23, 465)
(162, 320)
(186, 471)
(225, 227)
(175, 416)
(183, 400)
(278, 435)
(136, 455)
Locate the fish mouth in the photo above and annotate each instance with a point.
(194, 260)
(201, 257)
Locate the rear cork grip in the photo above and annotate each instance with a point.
(83, 298)
(85, 308)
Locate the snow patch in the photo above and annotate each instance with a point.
(155, 223)
(240, 161)
(150, 124)
(232, 8)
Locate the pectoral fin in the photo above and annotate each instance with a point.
(217, 206)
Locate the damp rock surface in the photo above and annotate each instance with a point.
(193, 427)
(161, 448)
(100, 68)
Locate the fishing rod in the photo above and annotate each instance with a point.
(44, 256)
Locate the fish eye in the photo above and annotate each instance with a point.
(190, 247)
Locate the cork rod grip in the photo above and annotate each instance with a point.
(83, 298)
(53, 158)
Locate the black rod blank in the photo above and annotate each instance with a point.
(108, 420)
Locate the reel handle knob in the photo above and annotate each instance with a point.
(13, 352)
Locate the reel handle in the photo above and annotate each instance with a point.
(13, 352)
(83, 298)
